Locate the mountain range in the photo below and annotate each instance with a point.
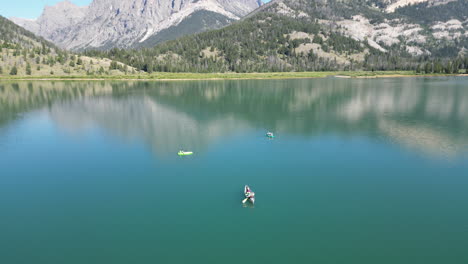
(125, 24)
(315, 35)
(23, 53)
(249, 36)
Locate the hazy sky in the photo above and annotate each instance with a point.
(32, 8)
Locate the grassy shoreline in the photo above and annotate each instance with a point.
(167, 76)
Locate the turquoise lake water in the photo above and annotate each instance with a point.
(360, 171)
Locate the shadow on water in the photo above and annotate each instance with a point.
(426, 114)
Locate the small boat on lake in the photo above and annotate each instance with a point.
(270, 135)
(185, 153)
(249, 195)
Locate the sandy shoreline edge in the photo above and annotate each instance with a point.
(279, 77)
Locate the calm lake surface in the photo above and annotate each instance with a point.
(360, 171)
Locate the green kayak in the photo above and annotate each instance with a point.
(185, 153)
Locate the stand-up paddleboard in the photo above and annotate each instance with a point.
(185, 153)
(249, 195)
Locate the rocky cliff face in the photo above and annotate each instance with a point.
(316, 35)
(391, 5)
(124, 24)
(53, 19)
(417, 27)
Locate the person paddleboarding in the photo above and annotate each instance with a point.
(249, 195)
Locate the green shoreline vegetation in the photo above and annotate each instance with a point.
(24, 56)
(227, 76)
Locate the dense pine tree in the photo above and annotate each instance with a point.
(28, 69)
(14, 70)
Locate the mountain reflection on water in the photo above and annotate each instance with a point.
(426, 114)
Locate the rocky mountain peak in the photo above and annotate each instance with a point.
(61, 5)
(122, 23)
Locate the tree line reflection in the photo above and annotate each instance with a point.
(427, 114)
